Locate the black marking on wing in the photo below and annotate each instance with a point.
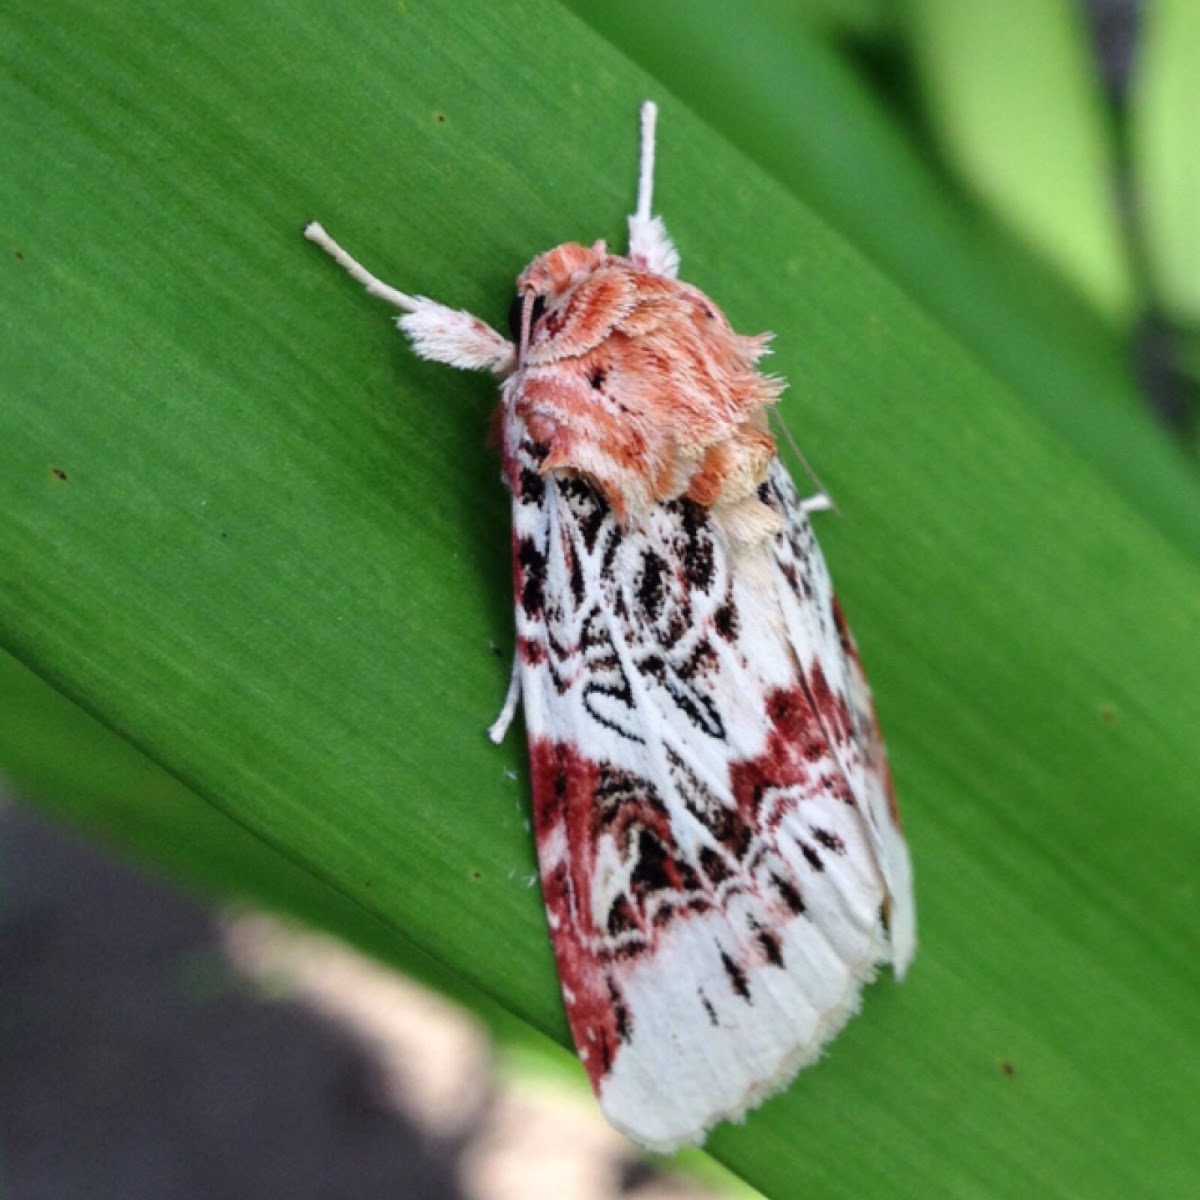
(651, 588)
(620, 1010)
(592, 694)
(621, 917)
(831, 841)
(650, 874)
(737, 977)
(698, 709)
(726, 824)
(769, 943)
(589, 509)
(531, 488)
(811, 856)
(789, 893)
(697, 552)
(611, 546)
(578, 588)
(716, 869)
(533, 577)
(725, 621)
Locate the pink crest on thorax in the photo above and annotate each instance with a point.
(638, 383)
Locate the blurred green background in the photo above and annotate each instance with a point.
(254, 587)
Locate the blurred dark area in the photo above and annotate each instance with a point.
(1168, 387)
(1114, 25)
(135, 1063)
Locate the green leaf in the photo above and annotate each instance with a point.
(843, 18)
(1164, 112)
(1014, 98)
(249, 533)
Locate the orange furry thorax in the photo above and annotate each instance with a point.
(637, 382)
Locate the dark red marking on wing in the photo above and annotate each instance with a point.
(564, 799)
(795, 743)
(873, 739)
(532, 653)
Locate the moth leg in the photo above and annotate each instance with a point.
(499, 727)
(650, 245)
(822, 501)
(441, 334)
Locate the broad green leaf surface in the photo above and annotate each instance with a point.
(843, 18)
(245, 530)
(1165, 114)
(1012, 93)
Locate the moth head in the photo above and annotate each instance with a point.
(549, 277)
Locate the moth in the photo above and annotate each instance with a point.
(720, 853)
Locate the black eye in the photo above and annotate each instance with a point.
(514, 317)
(514, 314)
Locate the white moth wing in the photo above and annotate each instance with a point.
(816, 622)
(708, 850)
